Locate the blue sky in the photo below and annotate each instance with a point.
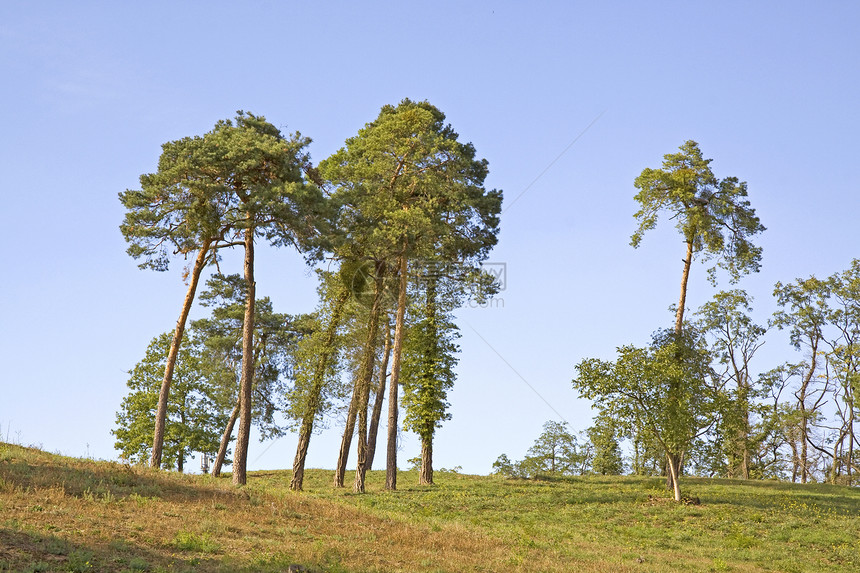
(92, 89)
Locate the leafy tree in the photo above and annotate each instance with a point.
(175, 211)
(647, 458)
(736, 338)
(222, 189)
(259, 185)
(713, 215)
(428, 372)
(407, 189)
(844, 365)
(605, 456)
(804, 314)
(554, 453)
(194, 410)
(662, 389)
(274, 354)
(504, 466)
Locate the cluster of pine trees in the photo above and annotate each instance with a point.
(401, 220)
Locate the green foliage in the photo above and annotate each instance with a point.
(195, 416)
(804, 307)
(317, 384)
(504, 466)
(200, 542)
(604, 450)
(735, 338)
(713, 215)
(429, 363)
(404, 179)
(242, 173)
(661, 392)
(554, 453)
(276, 337)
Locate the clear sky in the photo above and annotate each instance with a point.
(90, 90)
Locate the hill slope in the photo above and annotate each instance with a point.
(64, 514)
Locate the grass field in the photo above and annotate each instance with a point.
(65, 514)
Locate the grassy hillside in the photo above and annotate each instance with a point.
(64, 514)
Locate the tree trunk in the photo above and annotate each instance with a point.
(674, 460)
(380, 396)
(679, 314)
(163, 395)
(240, 461)
(674, 463)
(366, 378)
(346, 440)
(745, 470)
(851, 442)
(804, 421)
(425, 477)
(399, 325)
(315, 399)
(225, 441)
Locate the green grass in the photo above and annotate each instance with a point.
(62, 514)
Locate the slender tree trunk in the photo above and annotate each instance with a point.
(399, 325)
(163, 395)
(834, 469)
(804, 421)
(795, 462)
(674, 463)
(425, 477)
(240, 461)
(685, 277)
(745, 420)
(672, 476)
(851, 442)
(365, 380)
(315, 398)
(346, 440)
(225, 441)
(380, 396)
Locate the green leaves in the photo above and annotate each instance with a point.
(405, 179)
(194, 413)
(242, 173)
(662, 390)
(711, 214)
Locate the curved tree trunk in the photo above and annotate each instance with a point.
(225, 441)
(380, 396)
(365, 379)
(240, 461)
(399, 324)
(346, 440)
(163, 395)
(315, 399)
(672, 477)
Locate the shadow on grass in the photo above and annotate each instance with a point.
(767, 494)
(27, 469)
(31, 552)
